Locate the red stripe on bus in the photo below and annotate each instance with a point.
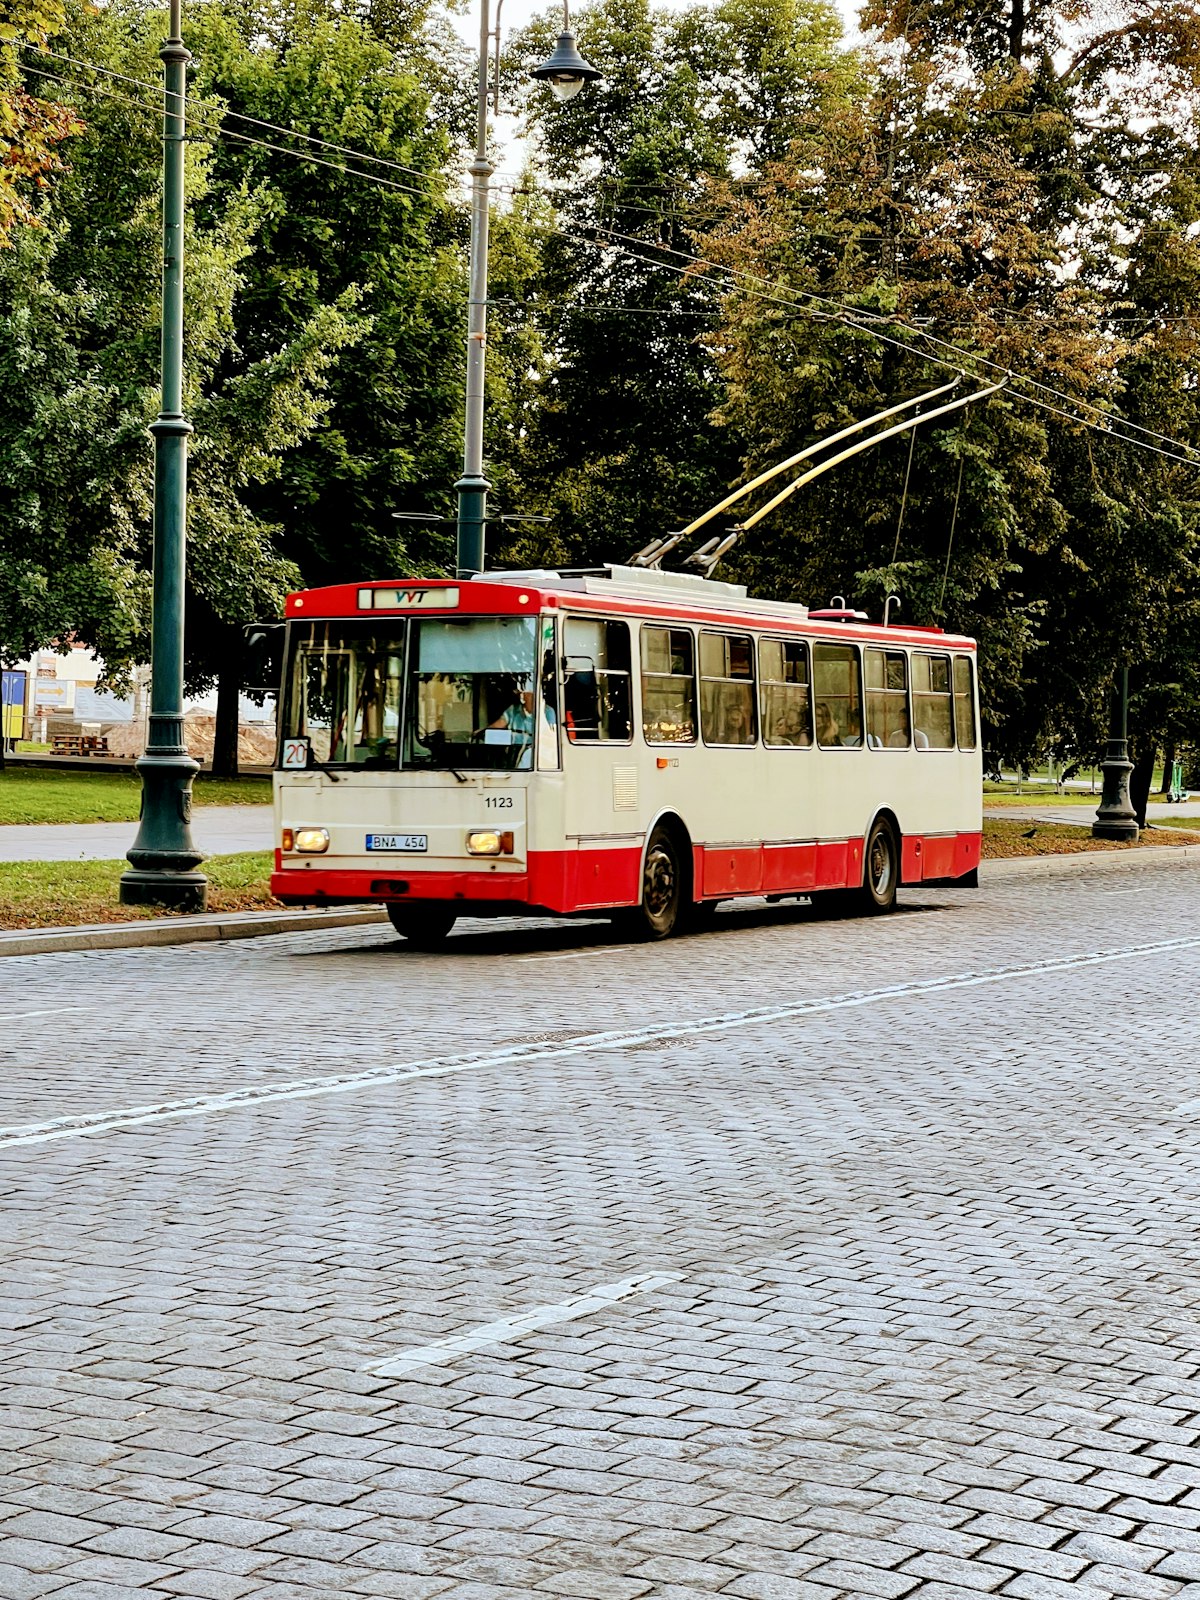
(593, 880)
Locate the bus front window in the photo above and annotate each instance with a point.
(344, 696)
(472, 694)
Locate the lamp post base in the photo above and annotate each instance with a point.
(163, 859)
(170, 891)
(1116, 818)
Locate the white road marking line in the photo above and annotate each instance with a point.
(48, 1011)
(506, 1329)
(73, 1127)
(574, 955)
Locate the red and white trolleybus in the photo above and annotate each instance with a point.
(624, 741)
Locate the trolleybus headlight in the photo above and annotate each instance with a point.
(312, 841)
(486, 842)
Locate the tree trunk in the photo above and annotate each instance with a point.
(1016, 30)
(1141, 778)
(225, 737)
(1168, 765)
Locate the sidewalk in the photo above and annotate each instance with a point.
(217, 830)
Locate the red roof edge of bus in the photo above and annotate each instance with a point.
(504, 597)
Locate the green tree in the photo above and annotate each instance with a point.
(78, 386)
(31, 128)
(620, 443)
(381, 231)
(987, 203)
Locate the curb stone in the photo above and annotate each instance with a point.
(181, 930)
(265, 924)
(998, 871)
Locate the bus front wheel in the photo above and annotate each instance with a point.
(425, 927)
(658, 916)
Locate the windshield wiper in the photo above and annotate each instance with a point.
(334, 777)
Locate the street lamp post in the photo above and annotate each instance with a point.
(566, 72)
(164, 858)
(1115, 817)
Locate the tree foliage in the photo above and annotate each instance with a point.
(744, 237)
(31, 127)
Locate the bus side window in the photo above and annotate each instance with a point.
(668, 685)
(964, 702)
(932, 708)
(786, 707)
(597, 705)
(837, 693)
(727, 689)
(887, 700)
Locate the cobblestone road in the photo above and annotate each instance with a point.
(889, 1230)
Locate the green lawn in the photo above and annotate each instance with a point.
(1003, 838)
(1186, 824)
(34, 794)
(1039, 794)
(56, 894)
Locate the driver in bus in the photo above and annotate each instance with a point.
(517, 717)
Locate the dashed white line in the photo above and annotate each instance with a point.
(252, 1095)
(46, 1011)
(507, 1329)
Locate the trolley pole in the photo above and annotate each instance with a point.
(1116, 818)
(164, 858)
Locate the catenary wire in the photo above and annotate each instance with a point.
(209, 133)
(1108, 426)
(238, 116)
(945, 344)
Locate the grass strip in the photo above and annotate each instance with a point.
(63, 894)
(1002, 838)
(29, 794)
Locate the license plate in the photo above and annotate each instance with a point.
(399, 842)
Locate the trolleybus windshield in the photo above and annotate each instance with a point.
(472, 693)
(464, 693)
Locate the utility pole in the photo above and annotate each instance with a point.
(566, 72)
(164, 858)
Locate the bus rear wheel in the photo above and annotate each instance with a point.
(425, 927)
(881, 869)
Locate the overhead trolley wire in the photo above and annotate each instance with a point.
(839, 311)
(238, 116)
(198, 112)
(859, 319)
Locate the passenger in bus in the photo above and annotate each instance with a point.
(828, 731)
(793, 727)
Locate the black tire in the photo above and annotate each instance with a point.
(425, 927)
(660, 912)
(881, 869)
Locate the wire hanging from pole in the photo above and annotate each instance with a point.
(962, 461)
(912, 445)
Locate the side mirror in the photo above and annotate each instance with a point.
(264, 656)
